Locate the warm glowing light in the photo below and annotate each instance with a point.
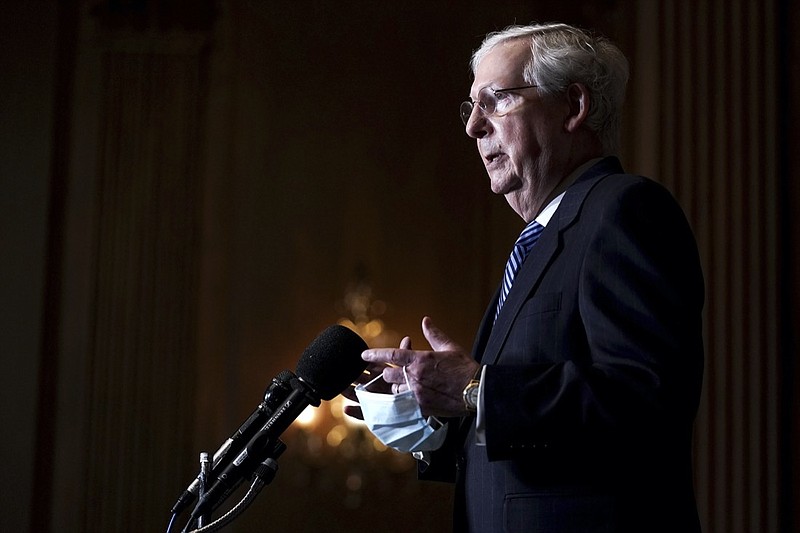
(336, 435)
(348, 324)
(330, 434)
(373, 328)
(308, 417)
(335, 406)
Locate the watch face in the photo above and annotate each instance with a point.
(472, 396)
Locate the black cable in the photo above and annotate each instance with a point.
(263, 475)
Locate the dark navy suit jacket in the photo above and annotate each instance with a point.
(594, 373)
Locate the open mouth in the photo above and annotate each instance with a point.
(492, 157)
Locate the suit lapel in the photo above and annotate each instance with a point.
(485, 329)
(490, 340)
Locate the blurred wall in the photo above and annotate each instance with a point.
(27, 86)
(221, 174)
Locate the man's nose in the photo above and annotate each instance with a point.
(477, 126)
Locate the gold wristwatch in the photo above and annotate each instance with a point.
(471, 391)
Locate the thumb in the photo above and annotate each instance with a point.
(437, 338)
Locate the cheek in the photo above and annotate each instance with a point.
(519, 144)
(528, 150)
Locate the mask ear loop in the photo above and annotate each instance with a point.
(380, 376)
(366, 385)
(405, 375)
(373, 380)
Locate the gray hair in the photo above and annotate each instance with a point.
(563, 54)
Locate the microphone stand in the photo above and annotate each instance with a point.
(263, 475)
(205, 470)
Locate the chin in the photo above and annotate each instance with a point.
(503, 185)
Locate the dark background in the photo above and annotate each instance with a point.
(193, 190)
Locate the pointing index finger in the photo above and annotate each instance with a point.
(393, 356)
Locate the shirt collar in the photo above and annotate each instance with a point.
(546, 214)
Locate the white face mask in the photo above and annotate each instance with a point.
(397, 421)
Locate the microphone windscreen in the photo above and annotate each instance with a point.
(332, 361)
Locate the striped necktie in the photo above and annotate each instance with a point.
(524, 243)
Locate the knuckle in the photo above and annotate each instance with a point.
(395, 357)
(389, 374)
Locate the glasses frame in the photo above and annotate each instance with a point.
(467, 106)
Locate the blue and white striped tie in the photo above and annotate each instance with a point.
(524, 243)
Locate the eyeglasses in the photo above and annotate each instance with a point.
(491, 102)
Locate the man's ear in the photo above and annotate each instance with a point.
(579, 102)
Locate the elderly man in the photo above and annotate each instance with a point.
(574, 411)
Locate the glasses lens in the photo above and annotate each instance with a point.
(487, 101)
(466, 111)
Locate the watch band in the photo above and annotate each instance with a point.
(471, 392)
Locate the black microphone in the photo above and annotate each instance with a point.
(326, 368)
(274, 396)
(332, 362)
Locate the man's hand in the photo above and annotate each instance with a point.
(437, 377)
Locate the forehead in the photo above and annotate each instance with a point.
(503, 65)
